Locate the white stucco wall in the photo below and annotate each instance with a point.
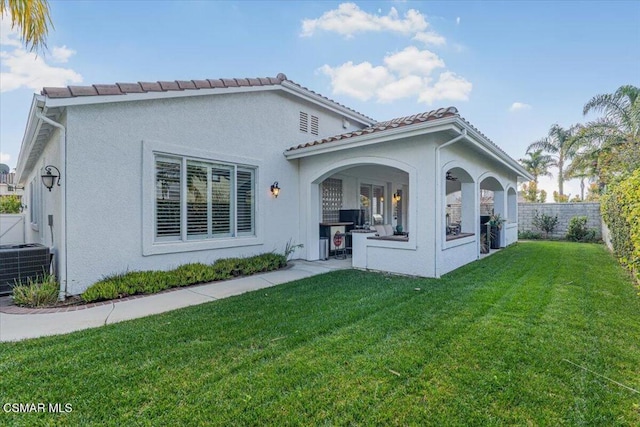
(108, 205)
(480, 167)
(50, 203)
(427, 252)
(414, 156)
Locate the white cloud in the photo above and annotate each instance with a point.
(449, 86)
(61, 54)
(413, 61)
(22, 69)
(430, 38)
(458, 20)
(406, 74)
(403, 74)
(519, 106)
(360, 81)
(4, 157)
(403, 88)
(8, 35)
(348, 19)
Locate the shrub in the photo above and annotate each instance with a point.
(529, 235)
(105, 289)
(10, 204)
(578, 231)
(545, 223)
(150, 282)
(189, 274)
(620, 207)
(228, 267)
(36, 293)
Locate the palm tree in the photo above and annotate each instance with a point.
(558, 145)
(538, 164)
(32, 18)
(610, 145)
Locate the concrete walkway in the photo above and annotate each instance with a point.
(15, 327)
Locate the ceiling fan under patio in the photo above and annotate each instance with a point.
(451, 177)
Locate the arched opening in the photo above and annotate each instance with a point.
(460, 203)
(359, 197)
(493, 214)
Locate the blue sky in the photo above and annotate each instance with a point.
(511, 68)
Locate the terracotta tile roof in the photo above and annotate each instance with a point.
(440, 113)
(178, 85)
(164, 86)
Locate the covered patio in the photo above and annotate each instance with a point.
(386, 191)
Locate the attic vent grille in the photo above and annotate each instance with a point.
(304, 122)
(314, 125)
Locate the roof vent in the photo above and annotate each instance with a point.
(304, 122)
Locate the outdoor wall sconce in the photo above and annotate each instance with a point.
(275, 190)
(397, 196)
(49, 178)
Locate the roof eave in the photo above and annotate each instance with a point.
(373, 138)
(491, 147)
(145, 96)
(450, 123)
(299, 91)
(30, 132)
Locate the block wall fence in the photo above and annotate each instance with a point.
(565, 212)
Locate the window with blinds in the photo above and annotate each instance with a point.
(168, 176)
(201, 200)
(221, 204)
(245, 211)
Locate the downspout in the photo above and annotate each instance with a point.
(62, 253)
(437, 226)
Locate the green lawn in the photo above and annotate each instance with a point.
(489, 344)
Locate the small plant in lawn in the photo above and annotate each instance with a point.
(578, 231)
(36, 293)
(290, 248)
(545, 223)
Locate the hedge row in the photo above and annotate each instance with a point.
(150, 282)
(621, 212)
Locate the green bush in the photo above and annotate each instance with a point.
(620, 207)
(10, 204)
(578, 231)
(196, 273)
(544, 222)
(150, 282)
(529, 235)
(36, 293)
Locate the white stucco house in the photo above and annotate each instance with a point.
(155, 175)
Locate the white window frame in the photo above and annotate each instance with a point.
(152, 245)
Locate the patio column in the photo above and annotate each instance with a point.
(468, 214)
(500, 207)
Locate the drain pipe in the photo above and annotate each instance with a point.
(437, 227)
(62, 253)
